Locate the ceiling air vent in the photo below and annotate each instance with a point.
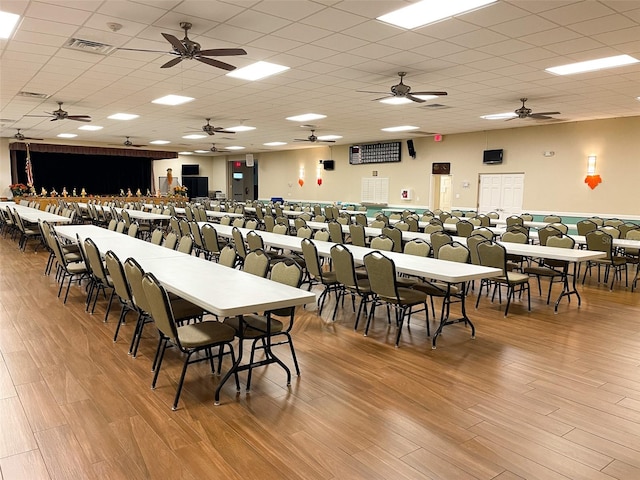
(435, 106)
(89, 46)
(33, 95)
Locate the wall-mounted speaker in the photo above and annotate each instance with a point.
(328, 164)
(249, 160)
(412, 150)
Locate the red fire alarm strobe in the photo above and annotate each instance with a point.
(437, 138)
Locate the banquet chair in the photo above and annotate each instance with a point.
(157, 236)
(239, 244)
(515, 262)
(273, 324)
(335, 231)
(321, 235)
(211, 242)
(483, 232)
(438, 239)
(552, 219)
(100, 280)
(238, 222)
(317, 275)
(514, 220)
(67, 269)
(433, 228)
(357, 234)
(464, 228)
(189, 339)
(185, 245)
(132, 231)
(600, 241)
(396, 235)
(494, 255)
(545, 233)
(121, 288)
(417, 247)
(198, 243)
(120, 227)
(171, 240)
(228, 256)
(257, 263)
(304, 232)
(382, 278)
(27, 231)
(350, 281)
(550, 268)
(382, 242)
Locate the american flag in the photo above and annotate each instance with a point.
(28, 168)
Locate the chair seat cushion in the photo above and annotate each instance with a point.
(183, 309)
(76, 268)
(542, 271)
(408, 296)
(254, 325)
(205, 333)
(515, 277)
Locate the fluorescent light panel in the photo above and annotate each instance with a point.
(123, 116)
(201, 151)
(185, 153)
(90, 128)
(8, 22)
(306, 117)
(66, 135)
(593, 65)
(194, 136)
(172, 100)
(235, 147)
(401, 128)
(160, 142)
(257, 71)
(240, 128)
(329, 137)
(274, 144)
(499, 116)
(428, 11)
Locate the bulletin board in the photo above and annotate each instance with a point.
(375, 153)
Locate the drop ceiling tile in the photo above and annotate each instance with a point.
(213, 10)
(493, 14)
(506, 47)
(442, 49)
(548, 37)
(275, 44)
(334, 20)
(311, 52)
(447, 28)
(530, 55)
(296, 31)
(294, 11)
(340, 42)
(577, 12)
(408, 41)
(45, 11)
(467, 56)
(16, 46)
(230, 35)
(620, 38)
(374, 51)
(374, 31)
(51, 28)
(259, 22)
(524, 26)
(603, 24)
(39, 38)
(130, 11)
(571, 47)
(478, 38)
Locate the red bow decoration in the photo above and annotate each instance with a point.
(593, 181)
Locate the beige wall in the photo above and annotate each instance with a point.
(552, 184)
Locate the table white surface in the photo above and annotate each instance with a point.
(34, 215)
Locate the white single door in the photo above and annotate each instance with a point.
(501, 193)
(445, 193)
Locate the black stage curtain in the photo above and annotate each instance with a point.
(100, 171)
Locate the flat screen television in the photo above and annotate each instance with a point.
(238, 175)
(328, 164)
(190, 169)
(492, 156)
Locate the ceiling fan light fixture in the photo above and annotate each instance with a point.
(194, 136)
(499, 116)
(257, 71)
(396, 100)
(401, 128)
(123, 116)
(173, 100)
(159, 142)
(426, 12)
(8, 22)
(593, 65)
(306, 117)
(274, 144)
(90, 128)
(67, 135)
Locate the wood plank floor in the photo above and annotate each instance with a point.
(534, 396)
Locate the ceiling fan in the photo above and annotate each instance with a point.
(188, 49)
(313, 139)
(20, 136)
(216, 149)
(211, 130)
(524, 112)
(401, 90)
(61, 114)
(128, 143)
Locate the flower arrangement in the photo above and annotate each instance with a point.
(180, 190)
(19, 189)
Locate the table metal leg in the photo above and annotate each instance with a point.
(566, 291)
(444, 319)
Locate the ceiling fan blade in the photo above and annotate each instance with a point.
(301, 140)
(79, 118)
(438, 94)
(221, 130)
(326, 141)
(369, 91)
(172, 62)
(382, 98)
(414, 99)
(55, 119)
(216, 63)
(175, 43)
(223, 52)
(536, 114)
(39, 116)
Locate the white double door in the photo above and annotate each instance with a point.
(501, 193)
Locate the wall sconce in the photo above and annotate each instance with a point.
(592, 179)
(301, 177)
(319, 176)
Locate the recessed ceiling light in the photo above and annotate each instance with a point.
(66, 135)
(8, 22)
(123, 116)
(90, 128)
(172, 100)
(274, 144)
(240, 128)
(305, 117)
(201, 151)
(235, 147)
(257, 71)
(194, 136)
(428, 11)
(592, 65)
(159, 142)
(329, 137)
(499, 116)
(186, 153)
(401, 128)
